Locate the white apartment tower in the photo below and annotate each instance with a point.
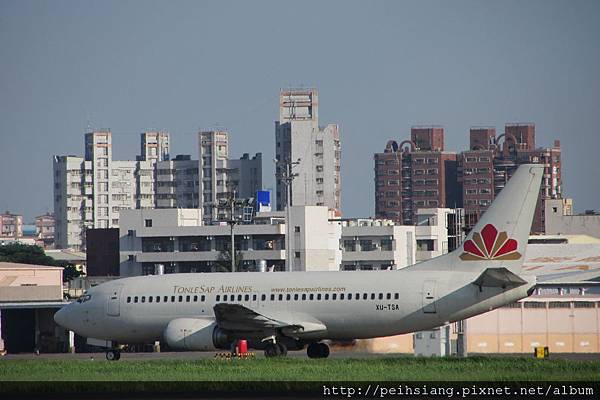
(90, 192)
(299, 137)
(212, 170)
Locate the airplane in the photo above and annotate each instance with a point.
(278, 311)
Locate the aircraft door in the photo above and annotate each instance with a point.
(429, 297)
(113, 305)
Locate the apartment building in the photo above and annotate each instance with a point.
(91, 191)
(11, 225)
(178, 241)
(316, 150)
(490, 162)
(44, 227)
(416, 174)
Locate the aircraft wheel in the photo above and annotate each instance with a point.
(272, 350)
(282, 349)
(113, 355)
(317, 350)
(323, 350)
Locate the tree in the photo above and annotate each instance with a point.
(224, 261)
(31, 254)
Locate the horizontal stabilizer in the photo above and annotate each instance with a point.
(499, 277)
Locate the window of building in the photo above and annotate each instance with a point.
(296, 229)
(297, 254)
(148, 223)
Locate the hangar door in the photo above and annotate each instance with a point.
(113, 307)
(429, 297)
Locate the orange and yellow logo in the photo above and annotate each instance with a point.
(490, 245)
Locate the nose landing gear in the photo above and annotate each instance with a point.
(317, 350)
(113, 355)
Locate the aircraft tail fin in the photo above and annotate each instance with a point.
(499, 238)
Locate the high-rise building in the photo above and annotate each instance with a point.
(90, 192)
(245, 175)
(316, 150)
(488, 165)
(416, 174)
(177, 184)
(213, 173)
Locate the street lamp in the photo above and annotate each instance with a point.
(230, 203)
(286, 176)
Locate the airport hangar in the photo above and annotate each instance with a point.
(563, 313)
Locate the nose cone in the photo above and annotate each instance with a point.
(61, 317)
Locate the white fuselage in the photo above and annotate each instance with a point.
(396, 301)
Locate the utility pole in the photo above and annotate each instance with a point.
(286, 176)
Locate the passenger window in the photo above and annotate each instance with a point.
(272, 297)
(334, 296)
(372, 296)
(396, 296)
(166, 299)
(143, 299)
(218, 297)
(288, 297)
(349, 296)
(358, 296)
(253, 297)
(172, 299)
(319, 296)
(247, 297)
(380, 296)
(303, 296)
(158, 299)
(326, 296)
(389, 296)
(311, 296)
(296, 297)
(187, 299)
(203, 298)
(129, 299)
(263, 297)
(239, 297)
(195, 299)
(280, 297)
(135, 299)
(150, 299)
(365, 296)
(180, 299)
(341, 296)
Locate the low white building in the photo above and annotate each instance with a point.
(178, 240)
(374, 244)
(438, 230)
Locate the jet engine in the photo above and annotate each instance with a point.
(195, 334)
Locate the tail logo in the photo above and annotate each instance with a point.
(490, 245)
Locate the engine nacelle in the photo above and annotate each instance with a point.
(195, 334)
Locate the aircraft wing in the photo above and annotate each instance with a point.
(499, 277)
(236, 317)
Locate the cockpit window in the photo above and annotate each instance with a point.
(84, 298)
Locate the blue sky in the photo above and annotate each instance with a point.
(380, 67)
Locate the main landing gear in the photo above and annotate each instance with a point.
(113, 355)
(275, 350)
(317, 350)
